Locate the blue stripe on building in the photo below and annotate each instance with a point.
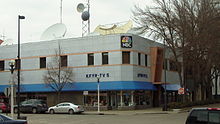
(88, 86)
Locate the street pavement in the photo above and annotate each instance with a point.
(146, 116)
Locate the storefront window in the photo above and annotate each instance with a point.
(142, 97)
(92, 99)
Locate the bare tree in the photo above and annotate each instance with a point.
(58, 75)
(190, 29)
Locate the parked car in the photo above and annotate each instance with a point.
(204, 116)
(33, 106)
(7, 120)
(5, 107)
(66, 107)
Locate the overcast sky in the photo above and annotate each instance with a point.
(40, 14)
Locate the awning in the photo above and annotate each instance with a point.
(88, 86)
(171, 87)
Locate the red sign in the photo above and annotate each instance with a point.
(181, 91)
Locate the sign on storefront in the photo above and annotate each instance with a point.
(95, 75)
(142, 75)
(85, 93)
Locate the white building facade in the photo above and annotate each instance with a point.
(124, 62)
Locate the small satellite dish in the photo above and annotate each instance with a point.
(1, 41)
(80, 7)
(7, 42)
(54, 32)
(85, 16)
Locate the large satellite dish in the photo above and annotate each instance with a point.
(54, 32)
(80, 7)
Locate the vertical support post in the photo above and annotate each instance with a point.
(132, 97)
(165, 79)
(121, 95)
(19, 64)
(98, 97)
(12, 96)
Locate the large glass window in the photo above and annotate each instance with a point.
(92, 100)
(90, 59)
(105, 58)
(2, 65)
(125, 57)
(42, 62)
(63, 61)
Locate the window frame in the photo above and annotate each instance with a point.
(90, 59)
(2, 65)
(126, 57)
(105, 58)
(64, 60)
(43, 62)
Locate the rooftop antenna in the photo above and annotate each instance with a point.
(85, 17)
(61, 10)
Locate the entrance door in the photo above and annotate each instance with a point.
(112, 100)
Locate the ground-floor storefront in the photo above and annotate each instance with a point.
(113, 95)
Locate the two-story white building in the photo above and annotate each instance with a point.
(130, 69)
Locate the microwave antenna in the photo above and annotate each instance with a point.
(85, 16)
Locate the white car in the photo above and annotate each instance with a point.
(66, 107)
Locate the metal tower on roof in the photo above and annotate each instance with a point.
(81, 8)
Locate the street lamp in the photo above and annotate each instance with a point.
(98, 77)
(12, 64)
(19, 63)
(165, 79)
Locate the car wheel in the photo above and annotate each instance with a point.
(71, 111)
(15, 110)
(34, 110)
(52, 111)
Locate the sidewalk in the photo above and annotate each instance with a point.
(157, 110)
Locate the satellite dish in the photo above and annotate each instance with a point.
(85, 16)
(7, 42)
(1, 41)
(54, 32)
(80, 7)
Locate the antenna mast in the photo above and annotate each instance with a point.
(85, 17)
(61, 8)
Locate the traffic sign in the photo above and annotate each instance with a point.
(181, 91)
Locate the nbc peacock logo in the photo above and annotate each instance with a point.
(126, 41)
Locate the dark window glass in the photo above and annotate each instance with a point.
(199, 117)
(125, 57)
(139, 58)
(145, 60)
(43, 62)
(90, 59)
(63, 61)
(105, 58)
(173, 65)
(165, 64)
(2, 65)
(17, 64)
(214, 117)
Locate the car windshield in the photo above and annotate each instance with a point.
(5, 117)
(214, 117)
